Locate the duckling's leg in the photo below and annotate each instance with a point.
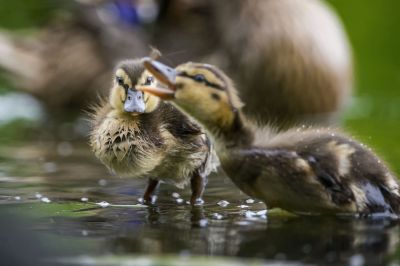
(197, 183)
(151, 186)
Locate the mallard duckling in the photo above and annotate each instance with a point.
(135, 134)
(314, 170)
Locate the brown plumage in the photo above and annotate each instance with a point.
(303, 170)
(291, 58)
(311, 79)
(158, 142)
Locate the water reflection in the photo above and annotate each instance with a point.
(168, 227)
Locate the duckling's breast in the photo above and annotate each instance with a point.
(145, 147)
(127, 147)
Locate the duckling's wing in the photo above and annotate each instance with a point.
(342, 164)
(285, 179)
(177, 123)
(309, 182)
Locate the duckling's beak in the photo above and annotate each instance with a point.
(165, 75)
(134, 102)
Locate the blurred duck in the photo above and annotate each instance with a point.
(136, 135)
(291, 58)
(61, 65)
(304, 61)
(314, 170)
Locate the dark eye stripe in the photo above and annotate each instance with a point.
(193, 77)
(119, 80)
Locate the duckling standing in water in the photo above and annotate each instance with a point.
(301, 170)
(135, 134)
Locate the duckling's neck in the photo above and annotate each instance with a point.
(115, 113)
(237, 134)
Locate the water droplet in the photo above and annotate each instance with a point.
(45, 200)
(223, 203)
(85, 233)
(179, 201)
(217, 216)
(262, 212)
(17, 198)
(357, 260)
(84, 199)
(38, 195)
(199, 202)
(176, 195)
(154, 199)
(249, 214)
(249, 201)
(103, 204)
(203, 222)
(243, 206)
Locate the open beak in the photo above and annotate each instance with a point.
(164, 74)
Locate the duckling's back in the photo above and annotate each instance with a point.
(330, 169)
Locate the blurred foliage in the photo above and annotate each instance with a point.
(374, 32)
(17, 131)
(4, 83)
(373, 29)
(21, 14)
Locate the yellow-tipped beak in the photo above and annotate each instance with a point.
(164, 74)
(163, 93)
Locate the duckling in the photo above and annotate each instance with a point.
(135, 134)
(304, 170)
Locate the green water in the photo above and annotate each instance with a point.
(45, 189)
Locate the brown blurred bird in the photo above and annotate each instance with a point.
(291, 58)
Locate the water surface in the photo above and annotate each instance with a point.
(52, 190)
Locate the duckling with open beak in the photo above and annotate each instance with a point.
(302, 170)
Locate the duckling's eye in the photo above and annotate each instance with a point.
(149, 80)
(119, 80)
(199, 78)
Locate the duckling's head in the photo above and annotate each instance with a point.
(124, 97)
(202, 91)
